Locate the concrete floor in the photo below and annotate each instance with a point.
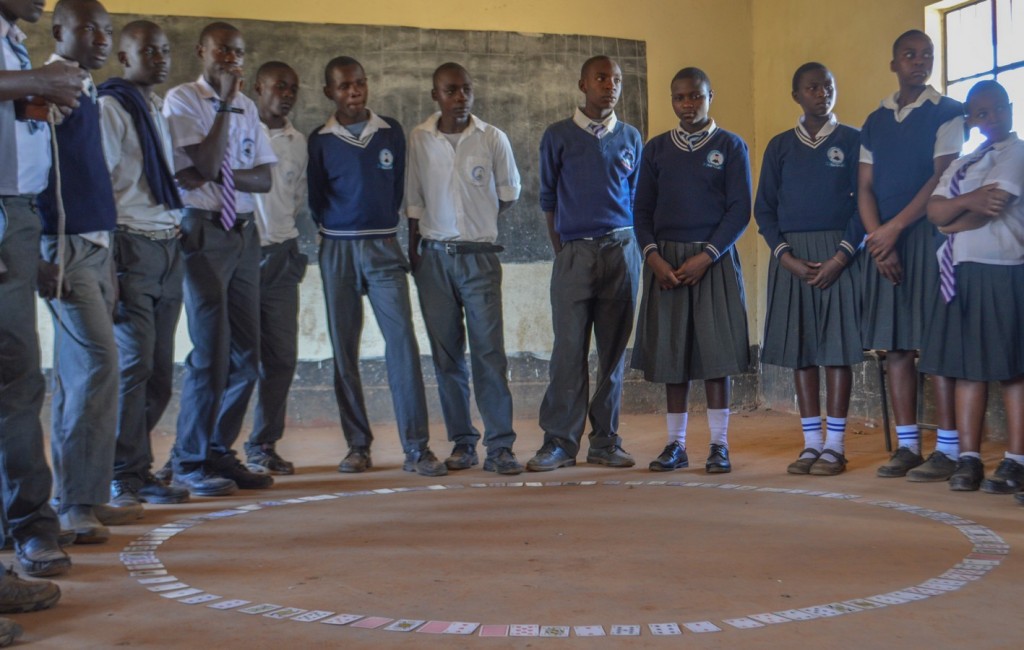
(620, 551)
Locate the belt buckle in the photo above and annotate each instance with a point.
(451, 248)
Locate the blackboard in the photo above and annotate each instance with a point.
(523, 83)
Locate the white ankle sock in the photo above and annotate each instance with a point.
(909, 436)
(812, 435)
(835, 434)
(718, 424)
(948, 442)
(676, 423)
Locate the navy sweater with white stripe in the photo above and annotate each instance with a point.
(805, 188)
(355, 192)
(693, 196)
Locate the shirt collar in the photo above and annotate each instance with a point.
(288, 130)
(474, 123)
(12, 30)
(929, 94)
(999, 146)
(825, 131)
(373, 124)
(581, 120)
(88, 86)
(693, 141)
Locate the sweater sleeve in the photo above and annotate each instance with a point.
(853, 236)
(414, 201)
(400, 163)
(645, 203)
(550, 170)
(316, 179)
(737, 201)
(766, 207)
(638, 151)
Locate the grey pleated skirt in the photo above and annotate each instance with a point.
(894, 315)
(697, 332)
(805, 326)
(980, 334)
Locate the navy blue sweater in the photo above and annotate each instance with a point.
(805, 188)
(85, 182)
(355, 192)
(588, 182)
(903, 152)
(693, 196)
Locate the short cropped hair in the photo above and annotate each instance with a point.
(450, 66)
(216, 27)
(987, 86)
(339, 62)
(810, 66)
(910, 33)
(591, 61)
(696, 74)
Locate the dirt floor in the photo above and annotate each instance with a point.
(571, 549)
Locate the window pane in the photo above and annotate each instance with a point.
(1010, 30)
(959, 92)
(969, 40)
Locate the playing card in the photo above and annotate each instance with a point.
(262, 608)
(664, 629)
(845, 608)
(493, 630)
(145, 567)
(702, 626)
(796, 615)
(769, 618)
(229, 604)
(555, 630)
(625, 630)
(287, 612)
(461, 627)
(887, 599)
(925, 591)
(404, 625)
(863, 603)
(588, 630)
(743, 623)
(342, 619)
(524, 630)
(372, 622)
(312, 615)
(821, 611)
(148, 572)
(168, 587)
(201, 598)
(434, 627)
(908, 595)
(181, 593)
(157, 581)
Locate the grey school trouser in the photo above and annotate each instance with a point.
(222, 303)
(376, 268)
(282, 268)
(460, 295)
(84, 430)
(26, 479)
(593, 289)
(149, 276)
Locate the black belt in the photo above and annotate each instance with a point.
(460, 247)
(242, 219)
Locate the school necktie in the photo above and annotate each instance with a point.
(597, 129)
(947, 273)
(228, 213)
(21, 52)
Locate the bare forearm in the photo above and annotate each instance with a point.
(867, 204)
(966, 221)
(208, 155)
(256, 180)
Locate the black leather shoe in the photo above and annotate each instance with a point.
(424, 463)
(463, 457)
(202, 483)
(718, 460)
(356, 461)
(153, 490)
(42, 557)
(550, 456)
(672, 457)
(614, 456)
(968, 475)
(1007, 479)
(228, 466)
(502, 461)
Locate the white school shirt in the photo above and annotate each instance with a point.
(1001, 240)
(826, 130)
(190, 110)
(122, 149)
(581, 120)
(34, 156)
(277, 209)
(454, 192)
(949, 139)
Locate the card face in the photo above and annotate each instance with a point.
(181, 593)
(702, 626)
(796, 615)
(555, 631)
(461, 627)
(342, 619)
(844, 608)
(769, 618)
(743, 623)
(625, 630)
(864, 603)
(145, 573)
(493, 630)
(588, 630)
(372, 622)
(157, 581)
(262, 608)
(201, 598)
(524, 630)
(229, 604)
(664, 629)
(287, 612)
(887, 599)
(822, 611)
(312, 615)
(171, 586)
(404, 625)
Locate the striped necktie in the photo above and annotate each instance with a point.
(597, 129)
(947, 273)
(21, 52)
(228, 212)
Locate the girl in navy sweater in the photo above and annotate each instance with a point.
(806, 211)
(692, 204)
